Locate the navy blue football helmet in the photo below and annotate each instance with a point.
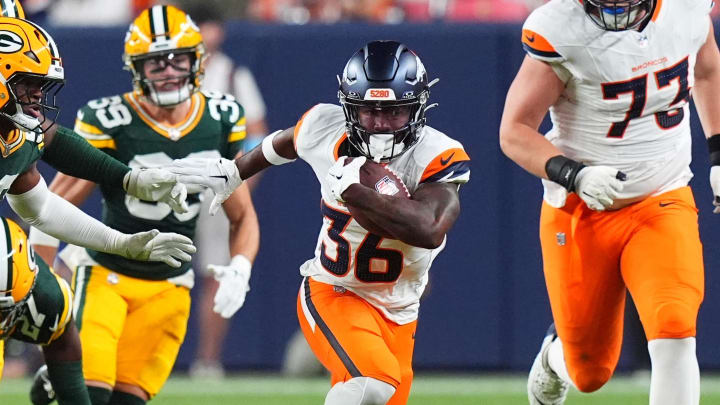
(384, 74)
(618, 15)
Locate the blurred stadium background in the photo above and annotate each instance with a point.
(486, 308)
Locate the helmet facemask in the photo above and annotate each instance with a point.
(384, 79)
(33, 105)
(152, 88)
(618, 15)
(384, 146)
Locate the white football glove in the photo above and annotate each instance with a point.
(154, 246)
(219, 174)
(341, 176)
(234, 282)
(157, 184)
(599, 186)
(715, 184)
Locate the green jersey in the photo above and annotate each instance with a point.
(118, 125)
(23, 149)
(47, 310)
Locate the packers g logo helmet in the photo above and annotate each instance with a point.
(18, 274)
(29, 57)
(11, 8)
(161, 32)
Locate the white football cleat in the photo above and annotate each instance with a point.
(544, 386)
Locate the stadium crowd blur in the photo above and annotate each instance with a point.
(113, 12)
(120, 12)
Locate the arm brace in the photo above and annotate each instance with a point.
(563, 171)
(57, 217)
(71, 154)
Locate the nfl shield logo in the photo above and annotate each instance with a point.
(560, 236)
(386, 186)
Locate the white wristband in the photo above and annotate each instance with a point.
(241, 262)
(269, 152)
(38, 237)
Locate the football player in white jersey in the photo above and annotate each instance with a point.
(617, 213)
(358, 303)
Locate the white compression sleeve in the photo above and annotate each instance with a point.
(675, 377)
(57, 217)
(40, 238)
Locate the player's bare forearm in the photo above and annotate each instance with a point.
(535, 88)
(244, 225)
(707, 85)
(254, 161)
(46, 253)
(421, 221)
(71, 188)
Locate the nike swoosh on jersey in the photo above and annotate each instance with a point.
(446, 160)
(665, 204)
(530, 38)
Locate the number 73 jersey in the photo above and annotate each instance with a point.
(625, 103)
(389, 274)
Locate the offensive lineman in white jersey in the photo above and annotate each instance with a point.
(358, 303)
(618, 213)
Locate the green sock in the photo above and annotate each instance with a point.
(68, 382)
(99, 396)
(123, 398)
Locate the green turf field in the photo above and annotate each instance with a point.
(427, 390)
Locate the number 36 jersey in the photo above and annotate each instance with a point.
(389, 274)
(625, 103)
(119, 126)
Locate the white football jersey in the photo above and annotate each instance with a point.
(389, 274)
(625, 104)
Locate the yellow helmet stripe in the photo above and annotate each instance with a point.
(9, 9)
(159, 23)
(6, 273)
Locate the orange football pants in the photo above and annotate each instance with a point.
(652, 248)
(351, 338)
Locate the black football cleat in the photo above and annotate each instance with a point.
(42, 392)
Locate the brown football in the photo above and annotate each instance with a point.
(382, 180)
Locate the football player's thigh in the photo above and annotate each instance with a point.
(100, 313)
(581, 251)
(402, 345)
(663, 268)
(154, 330)
(346, 334)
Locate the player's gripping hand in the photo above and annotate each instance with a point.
(154, 246)
(715, 184)
(341, 176)
(234, 280)
(219, 174)
(599, 186)
(157, 184)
